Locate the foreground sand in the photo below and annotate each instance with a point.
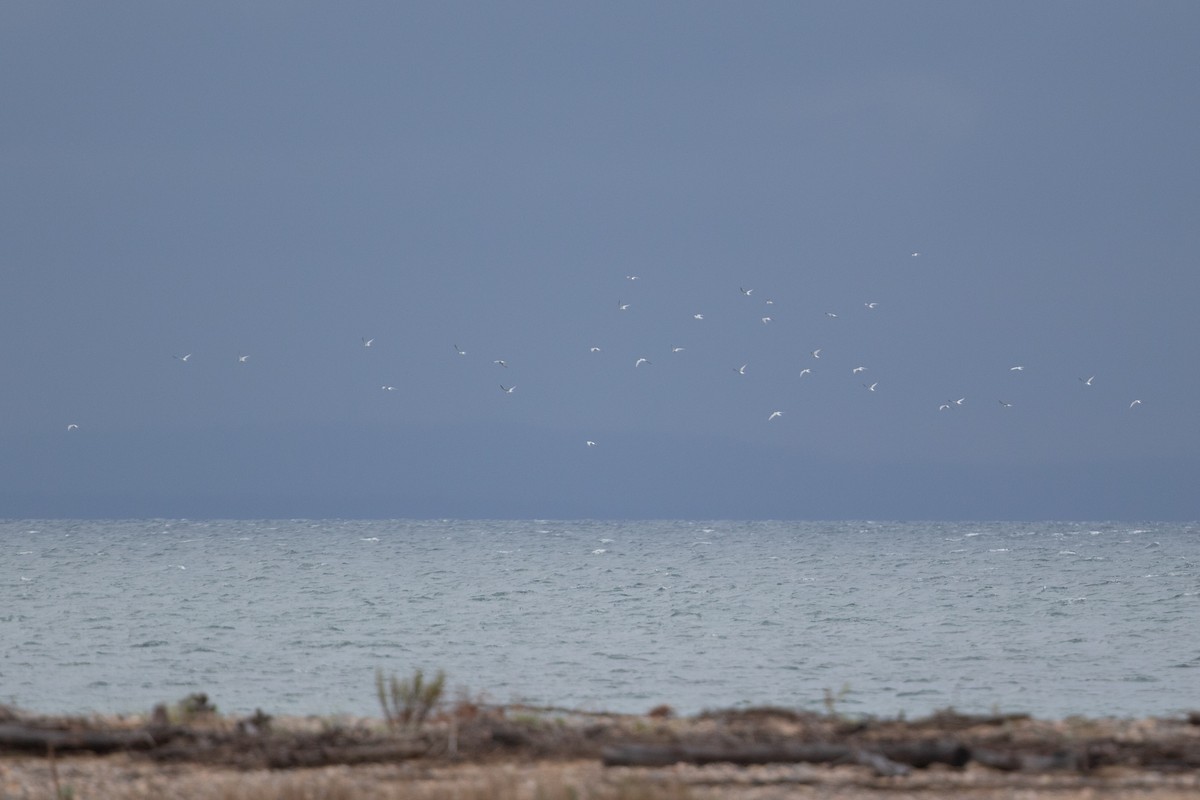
(510, 753)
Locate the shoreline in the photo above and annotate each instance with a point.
(511, 752)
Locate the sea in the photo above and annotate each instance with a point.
(884, 619)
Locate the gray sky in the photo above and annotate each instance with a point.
(283, 180)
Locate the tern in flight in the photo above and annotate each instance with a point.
(507, 389)
(590, 443)
(593, 349)
(1088, 381)
(871, 305)
(641, 361)
(816, 353)
(388, 388)
(857, 370)
(944, 407)
(1017, 368)
(631, 277)
(622, 306)
(677, 349)
(243, 359)
(831, 315)
(746, 292)
(766, 320)
(740, 370)
(871, 388)
(697, 316)
(960, 401)
(1135, 403)
(74, 427)
(805, 371)
(459, 350)
(1005, 404)
(774, 414)
(501, 362)
(184, 358)
(367, 342)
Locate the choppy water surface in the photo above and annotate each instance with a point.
(295, 616)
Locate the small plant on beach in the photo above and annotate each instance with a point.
(406, 703)
(832, 698)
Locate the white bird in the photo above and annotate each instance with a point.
(746, 292)
(593, 349)
(960, 401)
(914, 255)
(816, 353)
(590, 443)
(774, 414)
(622, 306)
(1135, 403)
(367, 342)
(507, 389)
(805, 371)
(677, 349)
(740, 370)
(871, 305)
(770, 302)
(1006, 405)
(831, 315)
(857, 370)
(944, 407)
(242, 359)
(1017, 368)
(1088, 381)
(697, 316)
(641, 361)
(72, 427)
(871, 388)
(388, 388)
(501, 362)
(766, 320)
(184, 357)
(631, 277)
(459, 350)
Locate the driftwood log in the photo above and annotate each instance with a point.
(887, 759)
(15, 736)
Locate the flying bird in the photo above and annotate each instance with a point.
(367, 342)
(944, 407)
(184, 358)
(774, 414)
(507, 389)
(831, 315)
(960, 401)
(1006, 405)
(641, 361)
(766, 320)
(1135, 403)
(914, 255)
(871, 305)
(1017, 368)
(590, 443)
(501, 362)
(871, 388)
(805, 371)
(593, 349)
(740, 370)
(459, 350)
(746, 292)
(1088, 381)
(697, 316)
(388, 388)
(816, 353)
(243, 359)
(74, 427)
(857, 370)
(631, 277)
(677, 349)
(622, 306)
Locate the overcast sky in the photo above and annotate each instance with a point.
(1011, 184)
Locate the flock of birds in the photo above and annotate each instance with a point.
(767, 318)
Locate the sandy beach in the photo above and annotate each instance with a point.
(516, 752)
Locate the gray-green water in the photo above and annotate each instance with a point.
(295, 616)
